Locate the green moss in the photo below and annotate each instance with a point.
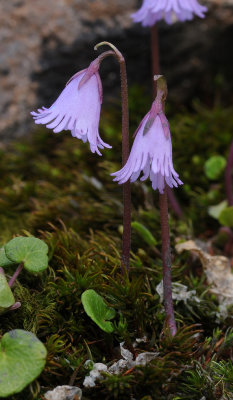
(54, 188)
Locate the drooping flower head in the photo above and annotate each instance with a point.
(151, 152)
(153, 11)
(77, 108)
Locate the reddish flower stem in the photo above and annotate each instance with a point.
(16, 274)
(174, 203)
(166, 258)
(126, 240)
(156, 70)
(126, 243)
(165, 233)
(155, 56)
(228, 177)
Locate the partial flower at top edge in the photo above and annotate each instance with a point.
(153, 11)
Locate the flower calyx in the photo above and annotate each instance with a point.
(93, 69)
(157, 108)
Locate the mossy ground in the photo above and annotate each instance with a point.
(54, 188)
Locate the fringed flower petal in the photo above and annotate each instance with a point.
(151, 154)
(77, 109)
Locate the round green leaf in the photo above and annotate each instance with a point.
(214, 166)
(31, 251)
(22, 358)
(97, 310)
(4, 261)
(6, 295)
(215, 211)
(226, 217)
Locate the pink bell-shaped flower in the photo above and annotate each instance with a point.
(153, 11)
(77, 108)
(151, 152)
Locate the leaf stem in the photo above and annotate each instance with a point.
(16, 274)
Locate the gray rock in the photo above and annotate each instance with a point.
(64, 393)
(43, 43)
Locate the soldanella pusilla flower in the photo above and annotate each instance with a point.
(77, 108)
(153, 11)
(151, 152)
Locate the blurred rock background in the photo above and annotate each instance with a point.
(43, 43)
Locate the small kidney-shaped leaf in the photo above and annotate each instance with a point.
(97, 310)
(214, 166)
(22, 358)
(226, 217)
(215, 211)
(6, 295)
(31, 251)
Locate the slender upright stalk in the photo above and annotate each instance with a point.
(228, 177)
(155, 55)
(174, 203)
(16, 274)
(165, 232)
(126, 244)
(156, 70)
(126, 240)
(166, 258)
